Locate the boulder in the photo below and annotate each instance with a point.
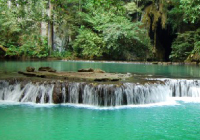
(49, 69)
(30, 69)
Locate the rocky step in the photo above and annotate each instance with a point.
(82, 75)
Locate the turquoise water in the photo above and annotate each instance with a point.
(39, 122)
(26, 122)
(157, 70)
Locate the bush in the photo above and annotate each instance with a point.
(13, 51)
(186, 44)
(90, 43)
(32, 47)
(110, 34)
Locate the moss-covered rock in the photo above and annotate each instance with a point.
(30, 69)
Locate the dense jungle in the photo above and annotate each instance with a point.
(131, 30)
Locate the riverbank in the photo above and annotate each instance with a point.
(100, 61)
(137, 62)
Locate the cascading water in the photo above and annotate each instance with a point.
(37, 93)
(98, 94)
(183, 88)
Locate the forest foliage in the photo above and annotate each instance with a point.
(94, 29)
(185, 19)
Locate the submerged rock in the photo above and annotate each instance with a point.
(30, 69)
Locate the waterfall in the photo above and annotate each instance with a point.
(98, 94)
(183, 88)
(37, 93)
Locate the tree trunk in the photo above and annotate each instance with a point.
(80, 5)
(50, 29)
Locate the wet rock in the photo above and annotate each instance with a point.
(115, 79)
(57, 93)
(49, 69)
(102, 79)
(23, 84)
(27, 74)
(32, 74)
(86, 70)
(92, 70)
(87, 76)
(30, 69)
(106, 79)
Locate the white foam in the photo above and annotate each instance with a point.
(9, 103)
(25, 103)
(174, 101)
(161, 104)
(187, 99)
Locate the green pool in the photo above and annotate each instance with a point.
(158, 70)
(175, 122)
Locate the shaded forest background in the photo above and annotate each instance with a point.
(133, 30)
